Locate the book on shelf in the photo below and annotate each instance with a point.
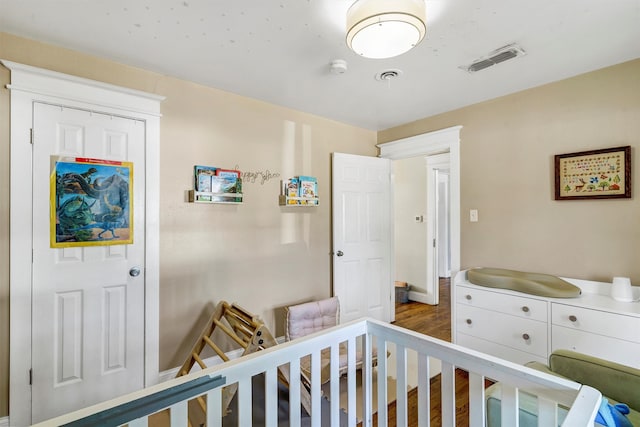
(202, 177)
(228, 173)
(291, 190)
(308, 189)
(214, 180)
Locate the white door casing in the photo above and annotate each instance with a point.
(432, 143)
(88, 325)
(435, 163)
(362, 236)
(28, 86)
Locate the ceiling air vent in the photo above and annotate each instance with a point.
(497, 56)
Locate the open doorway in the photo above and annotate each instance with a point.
(421, 225)
(421, 146)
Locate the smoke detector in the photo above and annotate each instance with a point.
(338, 66)
(502, 54)
(388, 75)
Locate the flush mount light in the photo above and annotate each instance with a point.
(385, 28)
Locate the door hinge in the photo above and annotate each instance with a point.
(434, 243)
(30, 376)
(31, 136)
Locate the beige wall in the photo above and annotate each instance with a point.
(410, 183)
(507, 153)
(257, 254)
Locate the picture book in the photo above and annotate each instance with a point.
(228, 173)
(308, 189)
(203, 183)
(292, 190)
(224, 185)
(202, 177)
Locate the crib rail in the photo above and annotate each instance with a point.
(359, 335)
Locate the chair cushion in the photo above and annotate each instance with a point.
(615, 381)
(307, 318)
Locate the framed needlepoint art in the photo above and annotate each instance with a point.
(596, 174)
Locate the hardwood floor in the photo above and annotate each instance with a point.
(434, 321)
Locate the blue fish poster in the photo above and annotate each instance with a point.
(91, 202)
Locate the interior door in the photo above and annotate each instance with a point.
(443, 233)
(435, 165)
(362, 236)
(88, 302)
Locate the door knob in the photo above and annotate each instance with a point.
(339, 253)
(134, 272)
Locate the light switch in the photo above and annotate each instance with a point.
(473, 215)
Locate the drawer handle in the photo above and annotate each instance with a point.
(525, 309)
(468, 297)
(469, 321)
(525, 337)
(573, 318)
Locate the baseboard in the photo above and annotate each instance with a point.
(4, 422)
(420, 297)
(170, 374)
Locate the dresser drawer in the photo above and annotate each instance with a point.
(624, 352)
(524, 307)
(522, 334)
(596, 322)
(498, 350)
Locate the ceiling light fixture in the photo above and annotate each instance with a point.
(385, 28)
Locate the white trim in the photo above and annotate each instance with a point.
(4, 422)
(433, 163)
(419, 297)
(436, 142)
(37, 81)
(28, 85)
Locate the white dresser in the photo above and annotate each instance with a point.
(521, 327)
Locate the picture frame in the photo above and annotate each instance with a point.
(91, 202)
(594, 174)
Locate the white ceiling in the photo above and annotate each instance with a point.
(279, 51)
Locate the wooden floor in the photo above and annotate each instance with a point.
(434, 321)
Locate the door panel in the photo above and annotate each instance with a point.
(88, 312)
(361, 236)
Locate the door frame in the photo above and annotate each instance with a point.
(433, 163)
(28, 85)
(428, 144)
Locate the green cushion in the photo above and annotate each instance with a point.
(530, 283)
(615, 381)
(618, 383)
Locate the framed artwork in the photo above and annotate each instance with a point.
(91, 202)
(596, 174)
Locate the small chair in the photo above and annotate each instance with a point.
(310, 317)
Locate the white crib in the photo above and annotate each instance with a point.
(134, 409)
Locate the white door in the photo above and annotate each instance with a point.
(362, 236)
(87, 309)
(443, 234)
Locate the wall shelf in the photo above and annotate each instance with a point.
(215, 198)
(299, 191)
(298, 202)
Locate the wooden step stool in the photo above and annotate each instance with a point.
(246, 330)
